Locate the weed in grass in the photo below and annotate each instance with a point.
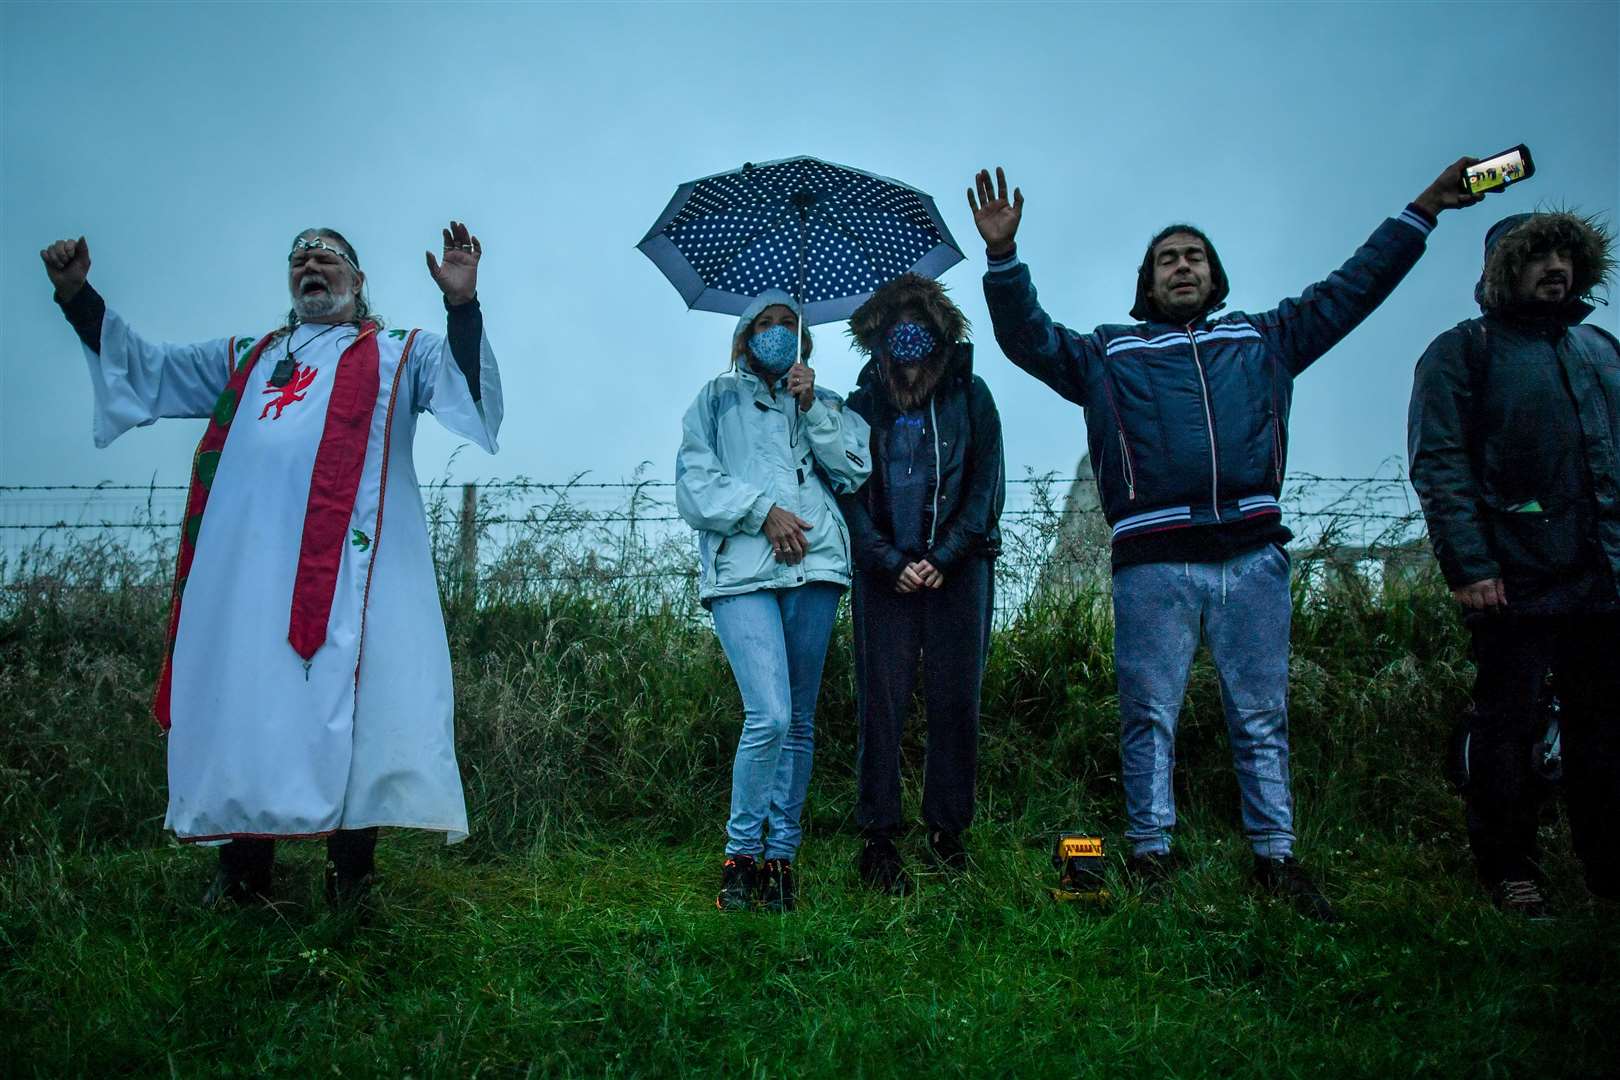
(575, 933)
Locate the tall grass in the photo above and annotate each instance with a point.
(592, 691)
(574, 934)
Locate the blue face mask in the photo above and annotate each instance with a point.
(909, 342)
(775, 349)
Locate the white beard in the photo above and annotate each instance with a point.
(321, 305)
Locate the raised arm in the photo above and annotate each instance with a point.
(1304, 328)
(1026, 333)
(840, 440)
(457, 377)
(135, 382)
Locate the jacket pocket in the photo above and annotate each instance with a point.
(1536, 547)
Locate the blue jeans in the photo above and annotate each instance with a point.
(776, 640)
(1242, 609)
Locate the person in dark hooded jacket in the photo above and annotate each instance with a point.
(924, 531)
(1187, 419)
(1514, 439)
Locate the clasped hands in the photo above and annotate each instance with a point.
(921, 574)
(785, 530)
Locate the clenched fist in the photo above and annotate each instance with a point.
(67, 263)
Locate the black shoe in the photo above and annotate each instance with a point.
(1522, 898)
(1287, 879)
(778, 887)
(1153, 872)
(881, 868)
(739, 883)
(345, 891)
(229, 888)
(947, 852)
(1154, 868)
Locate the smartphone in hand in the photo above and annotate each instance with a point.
(1499, 170)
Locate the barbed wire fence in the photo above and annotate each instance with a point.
(513, 539)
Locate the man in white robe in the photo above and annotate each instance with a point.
(308, 690)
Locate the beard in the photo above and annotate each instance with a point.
(321, 305)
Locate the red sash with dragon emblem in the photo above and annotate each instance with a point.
(334, 483)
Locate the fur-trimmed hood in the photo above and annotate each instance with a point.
(1511, 243)
(882, 309)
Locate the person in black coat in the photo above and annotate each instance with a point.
(1514, 439)
(924, 532)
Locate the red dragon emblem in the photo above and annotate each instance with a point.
(293, 391)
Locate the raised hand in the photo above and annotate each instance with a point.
(67, 264)
(457, 276)
(996, 218)
(801, 383)
(1447, 192)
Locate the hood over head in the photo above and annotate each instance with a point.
(1145, 310)
(768, 298)
(870, 324)
(882, 309)
(1517, 238)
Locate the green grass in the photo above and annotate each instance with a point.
(575, 933)
(608, 958)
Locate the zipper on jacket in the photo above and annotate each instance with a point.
(1125, 464)
(1124, 448)
(933, 422)
(1209, 421)
(1276, 428)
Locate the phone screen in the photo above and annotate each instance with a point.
(1498, 172)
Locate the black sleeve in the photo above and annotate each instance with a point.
(871, 549)
(1440, 465)
(984, 489)
(84, 313)
(464, 329)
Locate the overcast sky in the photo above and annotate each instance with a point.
(190, 142)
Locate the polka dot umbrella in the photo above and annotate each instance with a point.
(826, 233)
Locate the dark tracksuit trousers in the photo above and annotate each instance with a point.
(949, 628)
(352, 851)
(1513, 655)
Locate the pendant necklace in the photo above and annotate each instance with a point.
(284, 366)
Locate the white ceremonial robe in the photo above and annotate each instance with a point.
(258, 745)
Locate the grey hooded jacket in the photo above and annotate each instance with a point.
(744, 450)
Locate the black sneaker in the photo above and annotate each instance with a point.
(881, 868)
(345, 892)
(228, 888)
(1287, 879)
(739, 883)
(947, 851)
(1522, 898)
(1152, 871)
(778, 889)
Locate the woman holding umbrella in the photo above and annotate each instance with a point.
(763, 455)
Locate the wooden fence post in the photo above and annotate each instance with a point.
(468, 546)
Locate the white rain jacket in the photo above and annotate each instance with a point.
(743, 451)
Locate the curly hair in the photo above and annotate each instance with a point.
(1586, 237)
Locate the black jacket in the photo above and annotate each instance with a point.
(1513, 435)
(969, 472)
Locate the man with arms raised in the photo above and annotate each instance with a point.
(306, 680)
(1187, 420)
